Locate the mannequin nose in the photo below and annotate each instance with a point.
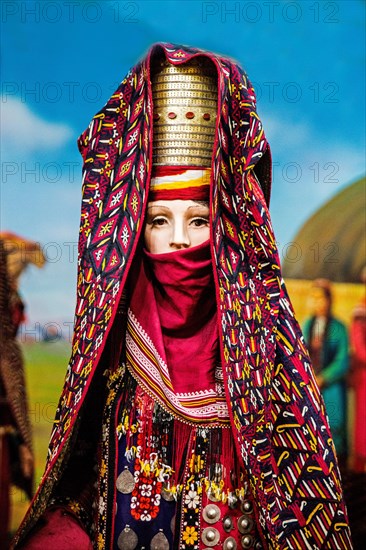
(180, 237)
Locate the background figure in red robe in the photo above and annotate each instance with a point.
(358, 348)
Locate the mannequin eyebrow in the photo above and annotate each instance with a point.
(158, 207)
(202, 205)
(197, 204)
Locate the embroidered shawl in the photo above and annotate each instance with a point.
(277, 414)
(164, 340)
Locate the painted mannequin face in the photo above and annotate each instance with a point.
(176, 224)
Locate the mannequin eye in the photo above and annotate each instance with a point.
(158, 221)
(199, 222)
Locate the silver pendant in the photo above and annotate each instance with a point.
(127, 539)
(159, 542)
(125, 482)
(167, 495)
(172, 524)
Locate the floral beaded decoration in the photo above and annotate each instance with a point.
(277, 414)
(146, 494)
(192, 492)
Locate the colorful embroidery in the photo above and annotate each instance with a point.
(276, 412)
(204, 407)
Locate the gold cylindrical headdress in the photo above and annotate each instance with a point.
(185, 110)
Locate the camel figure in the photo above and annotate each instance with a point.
(16, 455)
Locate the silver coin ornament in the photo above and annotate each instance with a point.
(172, 524)
(125, 482)
(159, 542)
(245, 524)
(232, 500)
(211, 496)
(247, 541)
(127, 540)
(247, 507)
(167, 495)
(230, 544)
(210, 536)
(228, 524)
(211, 513)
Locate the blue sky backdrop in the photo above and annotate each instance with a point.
(61, 61)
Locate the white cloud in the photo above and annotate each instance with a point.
(309, 168)
(23, 132)
(330, 163)
(285, 134)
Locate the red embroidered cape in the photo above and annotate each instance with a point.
(277, 414)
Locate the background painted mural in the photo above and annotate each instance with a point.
(61, 61)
